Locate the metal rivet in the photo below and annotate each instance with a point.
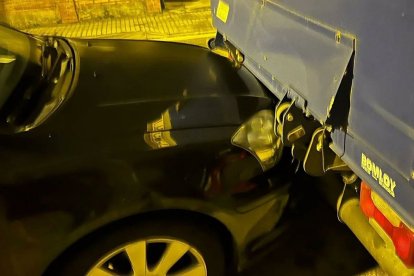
(412, 174)
(338, 37)
(289, 117)
(264, 57)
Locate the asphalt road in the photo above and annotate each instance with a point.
(316, 243)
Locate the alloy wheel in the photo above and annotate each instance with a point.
(152, 257)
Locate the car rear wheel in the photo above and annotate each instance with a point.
(156, 248)
(152, 256)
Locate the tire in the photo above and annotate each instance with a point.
(163, 241)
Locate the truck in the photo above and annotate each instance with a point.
(342, 71)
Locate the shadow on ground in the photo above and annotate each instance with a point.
(315, 244)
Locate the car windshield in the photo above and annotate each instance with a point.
(14, 56)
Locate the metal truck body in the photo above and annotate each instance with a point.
(348, 66)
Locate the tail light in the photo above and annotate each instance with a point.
(402, 236)
(258, 137)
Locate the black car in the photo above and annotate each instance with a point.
(132, 158)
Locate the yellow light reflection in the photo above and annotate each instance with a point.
(158, 132)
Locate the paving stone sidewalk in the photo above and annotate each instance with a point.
(179, 22)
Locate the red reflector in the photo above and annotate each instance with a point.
(384, 222)
(366, 203)
(403, 240)
(402, 237)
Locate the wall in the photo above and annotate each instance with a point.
(32, 13)
(21, 13)
(97, 9)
